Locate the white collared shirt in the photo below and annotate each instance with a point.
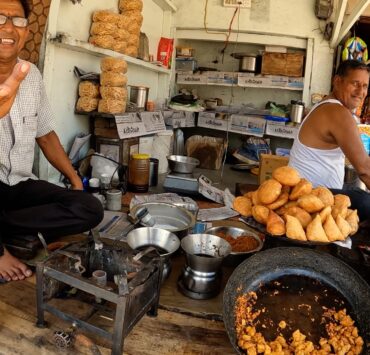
(29, 118)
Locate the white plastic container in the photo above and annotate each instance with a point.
(162, 147)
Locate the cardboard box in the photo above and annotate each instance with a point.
(289, 64)
(281, 130)
(191, 79)
(247, 124)
(178, 119)
(213, 120)
(247, 80)
(222, 78)
(268, 163)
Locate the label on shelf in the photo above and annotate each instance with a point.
(178, 119)
(191, 79)
(251, 125)
(281, 130)
(213, 120)
(133, 124)
(247, 80)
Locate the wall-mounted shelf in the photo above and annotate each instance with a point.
(166, 5)
(68, 42)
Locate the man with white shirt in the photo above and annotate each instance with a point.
(329, 133)
(29, 205)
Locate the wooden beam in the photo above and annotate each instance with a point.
(338, 22)
(352, 18)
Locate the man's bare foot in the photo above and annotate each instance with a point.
(11, 269)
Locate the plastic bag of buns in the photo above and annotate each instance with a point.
(289, 205)
(106, 41)
(88, 89)
(106, 16)
(120, 47)
(110, 78)
(113, 64)
(116, 93)
(130, 5)
(103, 29)
(87, 104)
(111, 106)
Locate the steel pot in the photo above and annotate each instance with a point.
(247, 62)
(182, 164)
(139, 96)
(272, 264)
(296, 111)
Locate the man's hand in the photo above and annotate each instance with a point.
(9, 88)
(77, 184)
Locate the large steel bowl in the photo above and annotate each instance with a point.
(166, 216)
(182, 164)
(166, 242)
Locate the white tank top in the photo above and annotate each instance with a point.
(322, 167)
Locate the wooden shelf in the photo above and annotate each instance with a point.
(65, 41)
(166, 5)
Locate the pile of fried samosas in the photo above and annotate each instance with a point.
(289, 206)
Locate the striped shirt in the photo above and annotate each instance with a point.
(29, 118)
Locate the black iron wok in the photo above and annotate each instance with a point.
(269, 265)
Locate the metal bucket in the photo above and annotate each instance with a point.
(139, 96)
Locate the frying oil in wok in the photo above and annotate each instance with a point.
(299, 301)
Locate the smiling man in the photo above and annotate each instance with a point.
(29, 205)
(329, 134)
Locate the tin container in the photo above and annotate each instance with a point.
(139, 96)
(138, 173)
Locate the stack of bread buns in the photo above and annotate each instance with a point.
(289, 205)
(88, 92)
(106, 33)
(113, 81)
(131, 20)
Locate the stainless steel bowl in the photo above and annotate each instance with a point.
(182, 164)
(166, 216)
(166, 242)
(235, 233)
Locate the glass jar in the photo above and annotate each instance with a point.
(138, 173)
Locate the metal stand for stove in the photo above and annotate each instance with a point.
(131, 305)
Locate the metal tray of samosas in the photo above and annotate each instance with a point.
(251, 222)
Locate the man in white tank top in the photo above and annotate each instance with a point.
(329, 134)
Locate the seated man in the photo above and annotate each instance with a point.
(28, 205)
(329, 134)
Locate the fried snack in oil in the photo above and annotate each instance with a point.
(243, 205)
(249, 194)
(343, 226)
(324, 194)
(304, 187)
(342, 201)
(286, 175)
(353, 220)
(341, 333)
(339, 211)
(315, 231)
(281, 201)
(331, 230)
(310, 203)
(294, 229)
(260, 213)
(275, 224)
(269, 191)
(325, 213)
(303, 216)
